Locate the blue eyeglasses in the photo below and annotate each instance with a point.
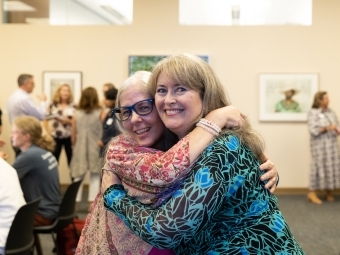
(142, 108)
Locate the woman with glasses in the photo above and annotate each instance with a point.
(221, 207)
(86, 138)
(127, 155)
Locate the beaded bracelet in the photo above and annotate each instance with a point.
(207, 129)
(209, 126)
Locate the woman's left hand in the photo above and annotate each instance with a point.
(109, 178)
(271, 175)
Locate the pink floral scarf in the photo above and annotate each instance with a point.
(145, 172)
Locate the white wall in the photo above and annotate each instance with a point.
(238, 54)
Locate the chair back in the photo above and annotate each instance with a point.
(67, 208)
(20, 238)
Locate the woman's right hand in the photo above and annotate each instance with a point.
(109, 178)
(228, 116)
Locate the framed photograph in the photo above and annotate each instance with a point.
(53, 79)
(146, 63)
(286, 97)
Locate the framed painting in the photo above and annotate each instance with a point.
(146, 63)
(53, 79)
(286, 97)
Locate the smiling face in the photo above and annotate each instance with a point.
(178, 106)
(145, 130)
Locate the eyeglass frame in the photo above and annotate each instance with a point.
(133, 108)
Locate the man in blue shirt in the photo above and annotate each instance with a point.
(21, 104)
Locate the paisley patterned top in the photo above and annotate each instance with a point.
(221, 208)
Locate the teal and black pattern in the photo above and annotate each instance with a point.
(221, 208)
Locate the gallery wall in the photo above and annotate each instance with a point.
(237, 54)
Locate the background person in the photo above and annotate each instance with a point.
(59, 127)
(222, 203)
(37, 168)
(324, 129)
(86, 137)
(109, 127)
(11, 199)
(21, 104)
(105, 88)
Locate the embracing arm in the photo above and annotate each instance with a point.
(149, 165)
(179, 219)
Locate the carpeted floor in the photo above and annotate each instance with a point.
(315, 227)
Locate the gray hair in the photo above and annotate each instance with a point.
(23, 77)
(139, 77)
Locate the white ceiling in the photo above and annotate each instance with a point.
(246, 12)
(191, 12)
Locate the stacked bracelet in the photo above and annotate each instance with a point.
(209, 126)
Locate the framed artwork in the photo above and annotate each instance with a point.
(53, 79)
(146, 63)
(287, 97)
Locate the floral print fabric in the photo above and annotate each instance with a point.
(59, 130)
(146, 165)
(105, 232)
(222, 208)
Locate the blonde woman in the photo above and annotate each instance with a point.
(86, 138)
(37, 168)
(61, 109)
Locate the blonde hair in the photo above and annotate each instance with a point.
(56, 99)
(32, 126)
(89, 100)
(138, 78)
(196, 74)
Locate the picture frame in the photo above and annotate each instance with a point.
(53, 79)
(286, 96)
(147, 62)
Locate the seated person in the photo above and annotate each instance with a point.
(37, 168)
(11, 199)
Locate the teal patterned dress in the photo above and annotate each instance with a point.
(221, 208)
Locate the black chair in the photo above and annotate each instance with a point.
(20, 238)
(66, 214)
